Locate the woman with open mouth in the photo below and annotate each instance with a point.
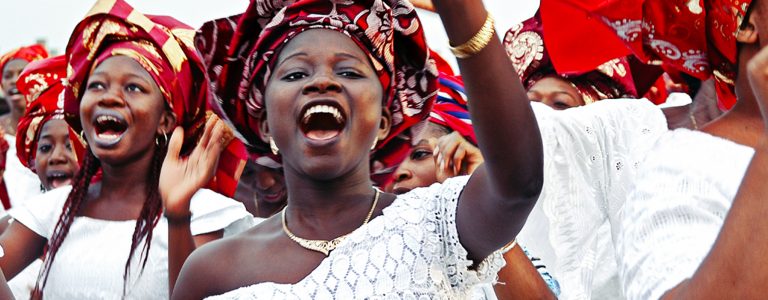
(115, 233)
(325, 82)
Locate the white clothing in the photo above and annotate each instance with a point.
(21, 183)
(675, 212)
(591, 155)
(412, 251)
(91, 261)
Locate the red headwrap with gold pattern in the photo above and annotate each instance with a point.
(389, 31)
(697, 37)
(28, 53)
(525, 46)
(42, 86)
(162, 45)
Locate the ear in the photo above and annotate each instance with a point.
(263, 126)
(385, 125)
(167, 122)
(747, 33)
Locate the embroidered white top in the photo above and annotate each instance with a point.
(412, 251)
(591, 156)
(675, 212)
(91, 261)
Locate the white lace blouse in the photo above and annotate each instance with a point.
(675, 213)
(21, 183)
(591, 156)
(412, 251)
(91, 261)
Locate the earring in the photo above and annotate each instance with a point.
(374, 144)
(165, 138)
(273, 146)
(82, 138)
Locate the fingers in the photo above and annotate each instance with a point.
(209, 126)
(446, 147)
(174, 145)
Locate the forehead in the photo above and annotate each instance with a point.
(15, 65)
(315, 42)
(428, 131)
(55, 127)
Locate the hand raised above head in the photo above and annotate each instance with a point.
(182, 177)
(455, 156)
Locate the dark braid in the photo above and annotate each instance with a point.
(150, 214)
(72, 206)
(148, 218)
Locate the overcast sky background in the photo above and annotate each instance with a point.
(23, 22)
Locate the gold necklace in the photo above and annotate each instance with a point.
(322, 246)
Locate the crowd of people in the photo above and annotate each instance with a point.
(321, 149)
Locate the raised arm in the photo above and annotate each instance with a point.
(21, 246)
(495, 203)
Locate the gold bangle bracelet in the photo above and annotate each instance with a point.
(478, 42)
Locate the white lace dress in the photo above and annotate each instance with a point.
(591, 156)
(21, 183)
(91, 261)
(412, 251)
(675, 213)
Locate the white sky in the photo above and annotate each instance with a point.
(25, 21)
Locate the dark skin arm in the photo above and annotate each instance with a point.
(519, 279)
(22, 246)
(495, 203)
(737, 267)
(180, 179)
(5, 291)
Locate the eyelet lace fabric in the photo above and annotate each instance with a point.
(676, 210)
(591, 156)
(412, 251)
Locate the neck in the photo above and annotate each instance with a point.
(127, 182)
(266, 209)
(315, 206)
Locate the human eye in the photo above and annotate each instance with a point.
(420, 154)
(96, 85)
(293, 76)
(134, 88)
(44, 148)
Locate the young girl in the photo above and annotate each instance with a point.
(132, 80)
(324, 82)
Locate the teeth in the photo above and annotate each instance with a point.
(102, 119)
(323, 109)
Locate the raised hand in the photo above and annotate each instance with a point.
(757, 72)
(182, 177)
(455, 156)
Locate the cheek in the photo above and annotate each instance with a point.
(426, 171)
(41, 163)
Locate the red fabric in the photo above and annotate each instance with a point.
(528, 48)
(4, 195)
(6, 201)
(28, 53)
(162, 45)
(389, 32)
(41, 84)
(695, 37)
(450, 108)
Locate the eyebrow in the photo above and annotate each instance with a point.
(103, 73)
(289, 57)
(422, 142)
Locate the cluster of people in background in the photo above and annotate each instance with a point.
(321, 149)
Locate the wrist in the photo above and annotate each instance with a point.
(178, 218)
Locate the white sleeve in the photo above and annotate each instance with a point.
(591, 154)
(212, 211)
(41, 213)
(675, 212)
(440, 204)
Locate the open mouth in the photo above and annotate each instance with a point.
(14, 92)
(57, 179)
(109, 128)
(270, 196)
(322, 121)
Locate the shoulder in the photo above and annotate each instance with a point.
(41, 212)
(212, 211)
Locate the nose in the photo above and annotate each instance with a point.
(59, 156)
(112, 97)
(402, 174)
(322, 83)
(264, 180)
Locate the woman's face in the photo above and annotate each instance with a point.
(122, 111)
(556, 93)
(55, 161)
(323, 103)
(419, 168)
(11, 73)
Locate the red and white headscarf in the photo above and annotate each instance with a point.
(41, 83)
(388, 31)
(29, 53)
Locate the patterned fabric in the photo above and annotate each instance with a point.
(411, 251)
(240, 56)
(695, 37)
(162, 45)
(524, 43)
(28, 53)
(450, 108)
(41, 83)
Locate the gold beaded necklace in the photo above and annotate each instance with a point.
(322, 246)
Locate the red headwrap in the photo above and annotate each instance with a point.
(450, 109)
(164, 47)
(41, 84)
(695, 37)
(525, 46)
(28, 53)
(389, 31)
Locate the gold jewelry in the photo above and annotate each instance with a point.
(273, 146)
(693, 121)
(325, 247)
(478, 42)
(374, 144)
